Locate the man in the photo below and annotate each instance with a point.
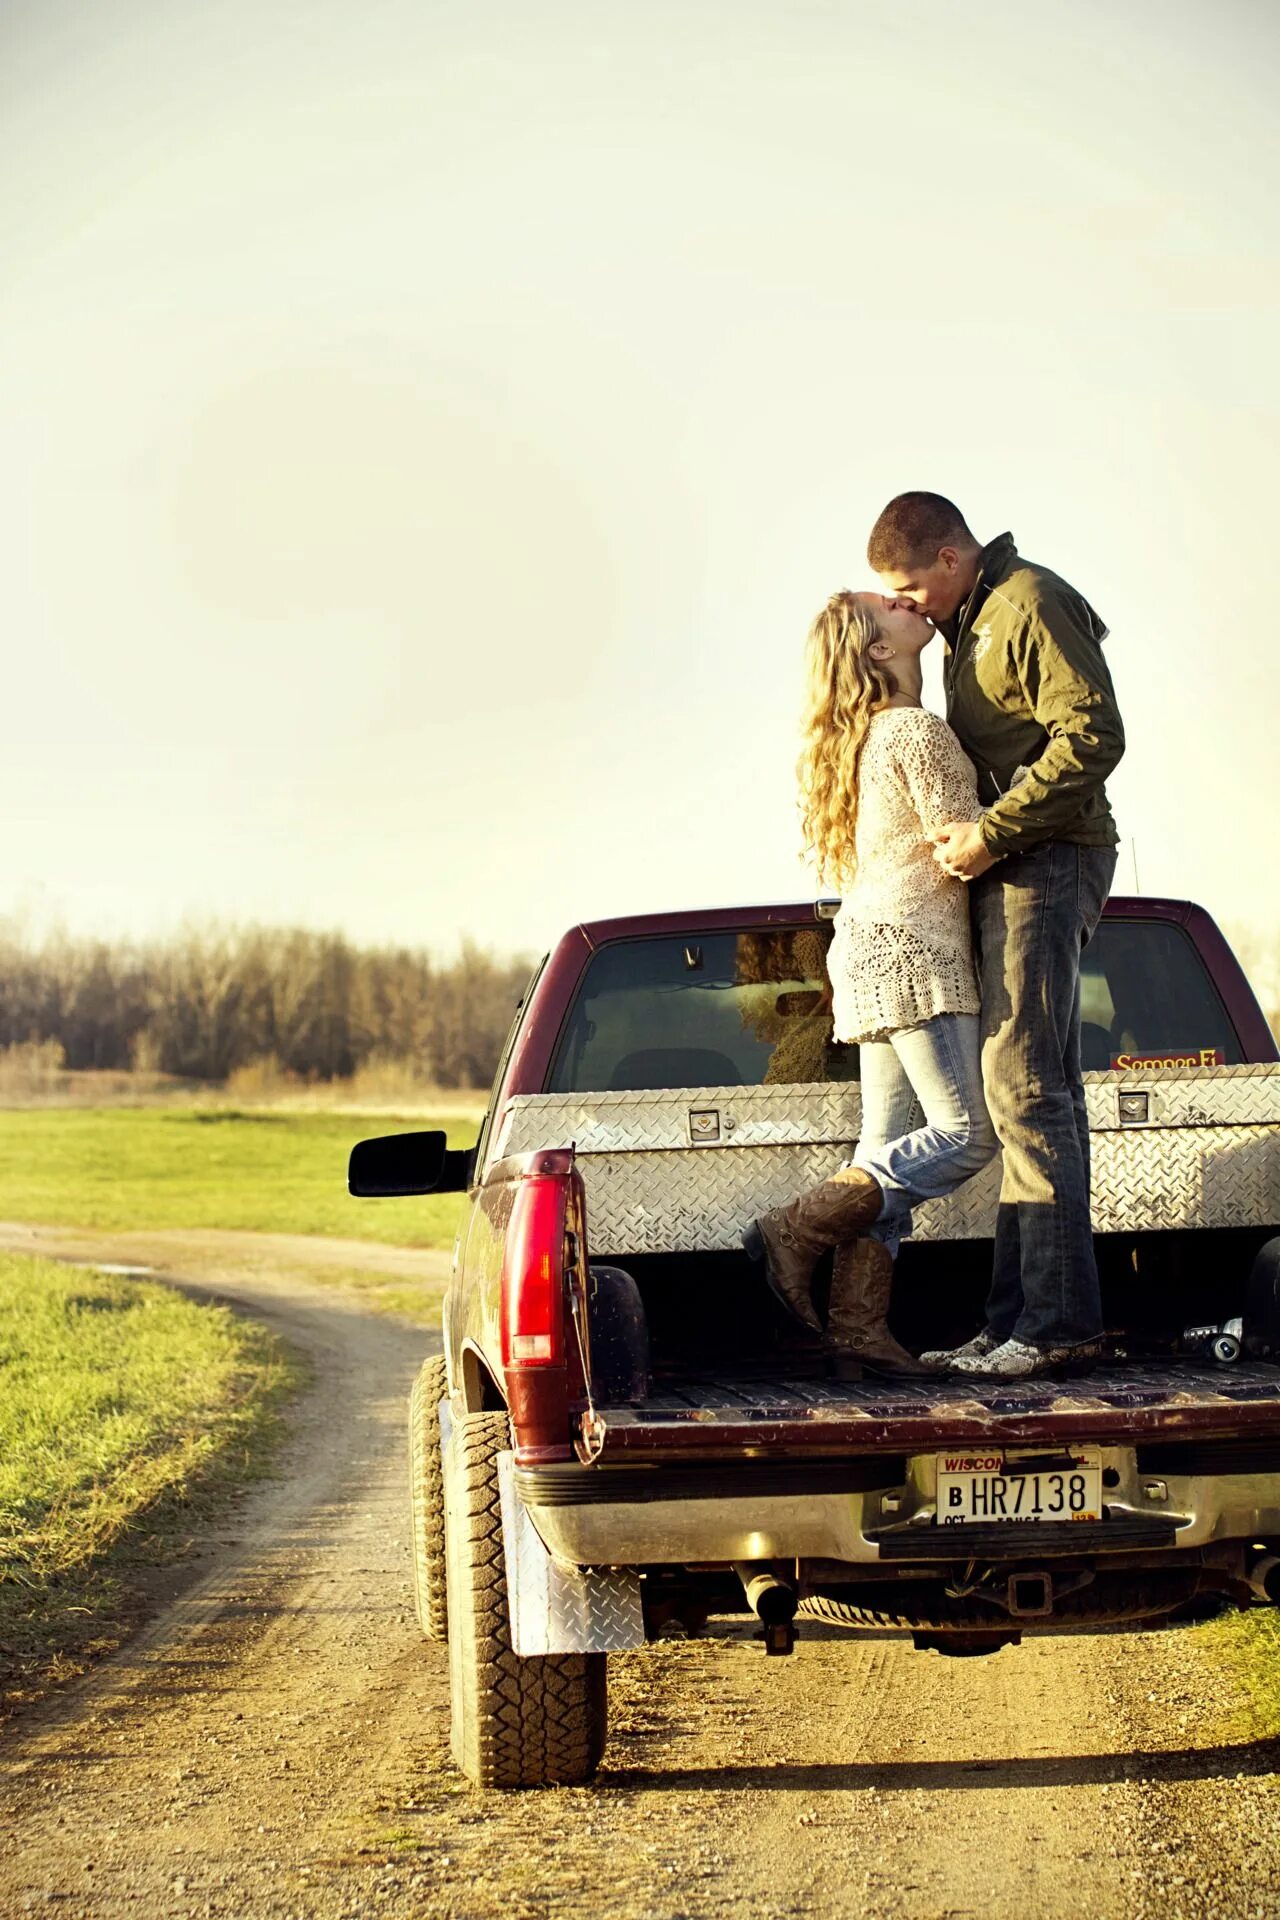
(1029, 695)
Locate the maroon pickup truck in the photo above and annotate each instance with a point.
(625, 1437)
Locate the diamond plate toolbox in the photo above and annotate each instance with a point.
(688, 1167)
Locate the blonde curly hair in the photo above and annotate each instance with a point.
(844, 686)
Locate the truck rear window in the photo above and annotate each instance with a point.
(1145, 990)
(712, 1010)
(754, 1009)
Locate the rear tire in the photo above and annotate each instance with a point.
(1262, 1301)
(426, 1493)
(516, 1722)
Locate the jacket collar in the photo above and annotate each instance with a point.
(993, 564)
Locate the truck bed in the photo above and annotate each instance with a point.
(1179, 1405)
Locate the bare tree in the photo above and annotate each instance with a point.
(216, 998)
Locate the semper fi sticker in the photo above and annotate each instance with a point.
(1191, 1057)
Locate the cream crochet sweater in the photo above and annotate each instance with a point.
(901, 950)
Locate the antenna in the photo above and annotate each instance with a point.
(1133, 849)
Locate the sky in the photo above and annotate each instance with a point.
(430, 429)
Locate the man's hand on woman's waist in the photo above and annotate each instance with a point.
(960, 850)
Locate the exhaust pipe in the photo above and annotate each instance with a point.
(1264, 1578)
(773, 1600)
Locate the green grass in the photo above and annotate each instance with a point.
(130, 1168)
(126, 1412)
(1248, 1644)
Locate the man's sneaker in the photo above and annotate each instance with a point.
(1015, 1360)
(943, 1359)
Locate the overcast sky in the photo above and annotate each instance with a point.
(430, 429)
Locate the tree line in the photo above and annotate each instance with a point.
(207, 1003)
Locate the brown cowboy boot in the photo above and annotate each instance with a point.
(791, 1240)
(857, 1330)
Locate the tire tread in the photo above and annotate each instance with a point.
(517, 1722)
(426, 1492)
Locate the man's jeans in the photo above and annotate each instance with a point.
(1033, 914)
(925, 1129)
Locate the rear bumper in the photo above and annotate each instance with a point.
(879, 1510)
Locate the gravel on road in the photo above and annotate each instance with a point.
(275, 1742)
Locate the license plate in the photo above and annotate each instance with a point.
(978, 1488)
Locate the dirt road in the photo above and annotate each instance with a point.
(276, 1742)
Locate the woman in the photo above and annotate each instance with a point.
(878, 774)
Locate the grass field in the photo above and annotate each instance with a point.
(1249, 1644)
(126, 1412)
(125, 1168)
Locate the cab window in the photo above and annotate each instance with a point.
(711, 1010)
(753, 1009)
(1144, 989)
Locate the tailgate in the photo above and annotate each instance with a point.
(1126, 1405)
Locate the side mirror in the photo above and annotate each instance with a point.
(397, 1164)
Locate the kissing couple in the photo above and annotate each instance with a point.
(975, 855)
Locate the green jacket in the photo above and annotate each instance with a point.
(1029, 695)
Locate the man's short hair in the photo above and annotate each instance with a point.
(912, 529)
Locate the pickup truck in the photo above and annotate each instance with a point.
(625, 1437)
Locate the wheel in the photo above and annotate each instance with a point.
(1262, 1300)
(619, 1337)
(516, 1722)
(426, 1494)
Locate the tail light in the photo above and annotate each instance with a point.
(541, 1364)
(533, 1274)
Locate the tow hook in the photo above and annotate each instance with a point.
(773, 1601)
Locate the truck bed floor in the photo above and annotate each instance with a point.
(1122, 1401)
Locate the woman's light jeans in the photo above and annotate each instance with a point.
(925, 1126)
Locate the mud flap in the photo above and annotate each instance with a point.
(560, 1609)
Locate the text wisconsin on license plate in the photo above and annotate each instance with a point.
(977, 1488)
